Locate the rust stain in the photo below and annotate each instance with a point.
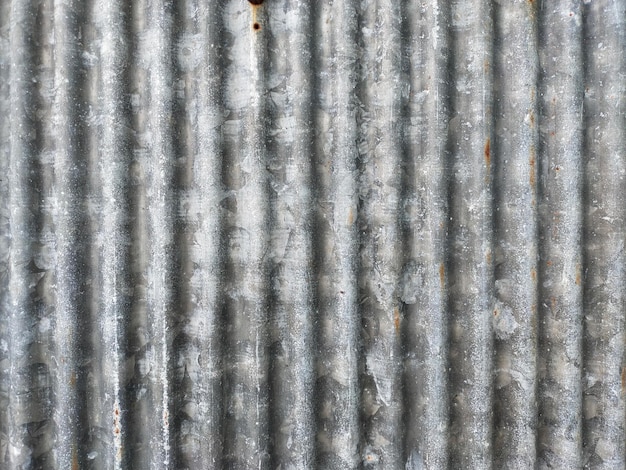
(548, 263)
(488, 257)
(255, 4)
(578, 274)
(442, 274)
(73, 379)
(116, 420)
(533, 274)
(531, 162)
(350, 217)
(532, 119)
(488, 152)
(396, 319)
(495, 312)
(623, 379)
(75, 465)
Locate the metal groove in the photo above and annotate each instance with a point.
(290, 234)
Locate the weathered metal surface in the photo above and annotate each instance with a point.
(294, 234)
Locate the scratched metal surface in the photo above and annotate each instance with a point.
(333, 235)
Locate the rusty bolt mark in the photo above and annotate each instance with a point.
(256, 2)
(256, 26)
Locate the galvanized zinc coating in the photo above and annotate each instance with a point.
(292, 234)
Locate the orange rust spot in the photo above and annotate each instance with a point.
(533, 274)
(350, 217)
(557, 168)
(255, 4)
(75, 465)
(548, 263)
(396, 319)
(117, 430)
(488, 152)
(117, 412)
(73, 379)
(532, 119)
(495, 312)
(623, 379)
(488, 257)
(531, 162)
(442, 274)
(578, 274)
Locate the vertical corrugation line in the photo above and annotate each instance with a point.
(469, 244)
(337, 324)
(514, 316)
(559, 392)
(290, 234)
(604, 145)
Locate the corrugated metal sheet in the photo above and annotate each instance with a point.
(312, 234)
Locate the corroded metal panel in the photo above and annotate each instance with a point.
(302, 234)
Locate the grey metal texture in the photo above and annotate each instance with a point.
(330, 234)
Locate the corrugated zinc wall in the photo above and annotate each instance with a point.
(312, 234)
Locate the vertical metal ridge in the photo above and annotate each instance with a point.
(425, 220)
(515, 234)
(470, 263)
(247, 242)
(114, 245)
(560, 270)
(336, 246)
(95, 441)
(5, 227)
(152, 210)
(379, 188)
(72, 230)
(31, 275)
(196, 335)
(289, 109)
(604, 373)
